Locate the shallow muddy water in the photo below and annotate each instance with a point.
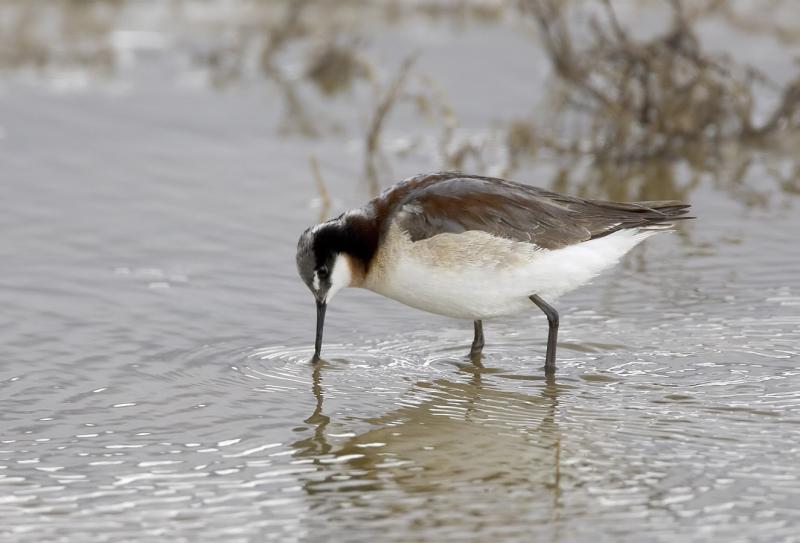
(154, 336)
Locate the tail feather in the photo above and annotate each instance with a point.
(652, 215)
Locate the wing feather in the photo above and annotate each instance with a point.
(455, 203)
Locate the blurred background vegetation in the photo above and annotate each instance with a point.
(629, 100)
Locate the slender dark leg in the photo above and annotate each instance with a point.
(552, 334)
(477, 342)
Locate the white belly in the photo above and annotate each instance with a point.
(475, 275)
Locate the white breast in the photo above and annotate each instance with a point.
(474, 275)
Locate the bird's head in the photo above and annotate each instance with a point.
(325, 266)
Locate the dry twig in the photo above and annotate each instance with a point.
(324, 195)
(372, 142)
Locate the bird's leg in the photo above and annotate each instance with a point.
(552, 334)
(477, 342)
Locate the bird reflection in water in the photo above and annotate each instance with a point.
(445, 437)
(316, 444)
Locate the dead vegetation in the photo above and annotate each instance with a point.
(639, 103)
(629, 117)
(372, 142)
(664, 97)
(322, 189)
(79, 39)
(632, 107)
(334, 67)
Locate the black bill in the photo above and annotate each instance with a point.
(321, 306)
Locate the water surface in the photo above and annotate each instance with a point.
(154, 337)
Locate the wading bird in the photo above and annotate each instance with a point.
(474, 247)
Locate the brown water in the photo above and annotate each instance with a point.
(154, 337)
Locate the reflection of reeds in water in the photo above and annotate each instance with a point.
(385, 103)
(334, 67)
(647, 108)
(664, 97)
(644, 105)
(58, 35)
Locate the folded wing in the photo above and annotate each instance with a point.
(455, 203)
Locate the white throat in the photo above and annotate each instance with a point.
(341, 275)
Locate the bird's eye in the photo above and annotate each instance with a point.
(322, 272)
